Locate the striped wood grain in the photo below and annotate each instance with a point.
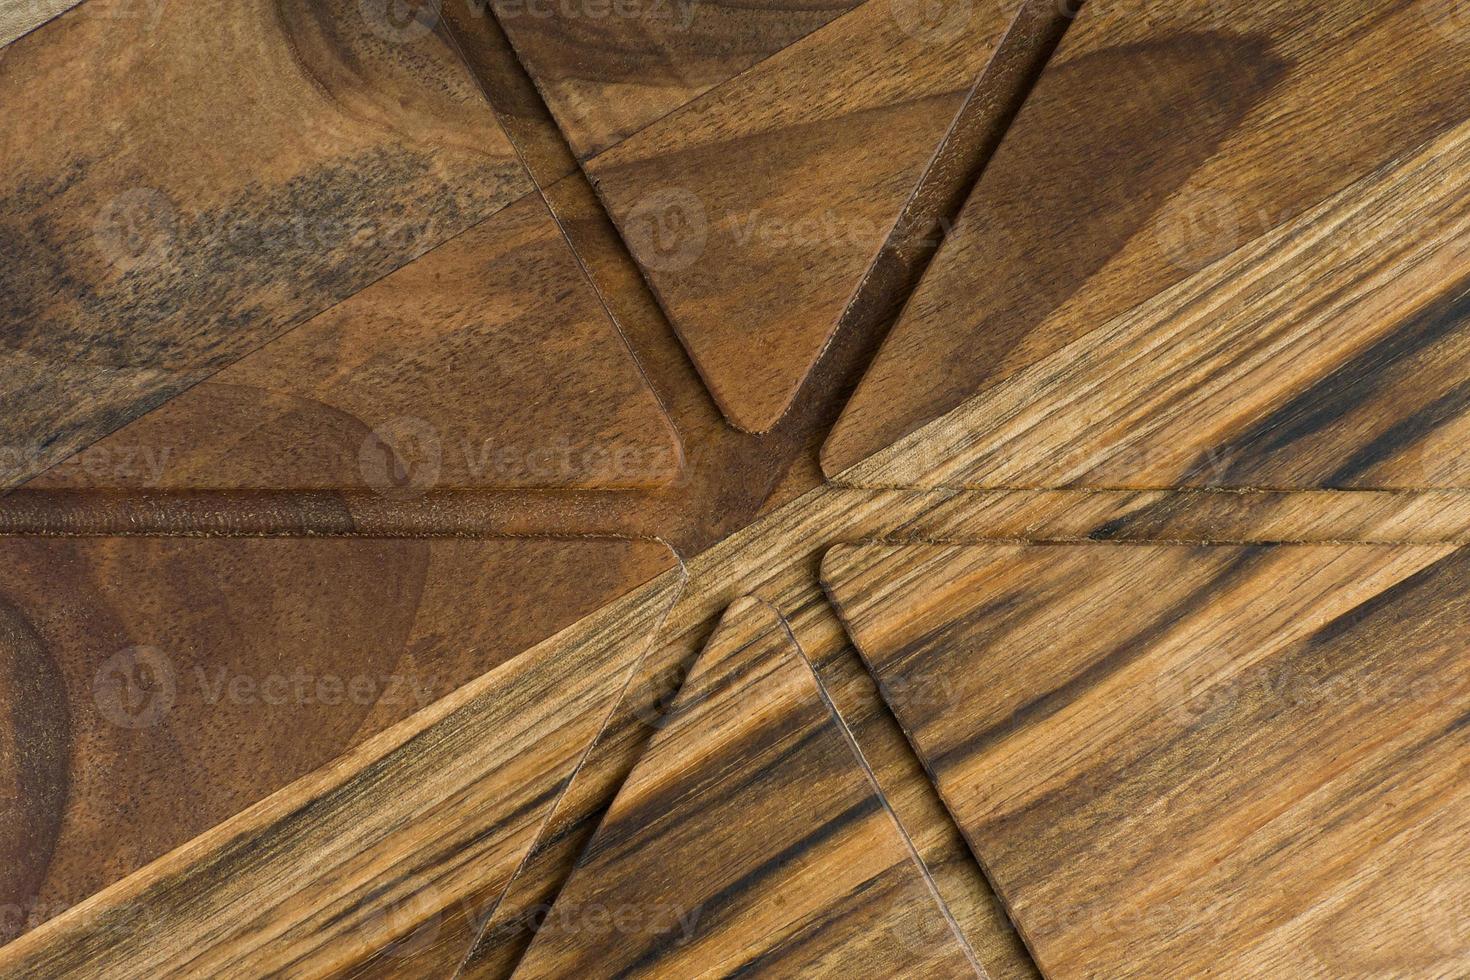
(1160, 138)
(750, 839)
(1328, 353)
(1176, 760)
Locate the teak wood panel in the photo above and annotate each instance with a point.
(756, 210)
(608, 69)
(488, 362)
(156, 687)
(1330, 352)
(1176, 760)
(750, 839)
(1160, 138)
(184, 182)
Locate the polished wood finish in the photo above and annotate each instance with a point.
(750, 838)
(1330, 352)
(488, 363)
(756, 211)
(1158, 140)
(357, 861)
(325, 147)
(1258, 770)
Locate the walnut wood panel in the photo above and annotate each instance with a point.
(756, 210)
(750, 839)
(155, 687)
(488, 362)
(340, 866)
(1159, 139)
(776, 557)
(1331, 352)
(1259, 770)
(184, 181)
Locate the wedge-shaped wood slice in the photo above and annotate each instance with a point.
(606, 70)
(153, 688)
(1182, 760)
(1331, 352)
(1159, 139)
(488, 362)
(756, 210)
(750, 839)
(184, 181)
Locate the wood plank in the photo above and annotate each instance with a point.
(219, 173)
(755, 211)
(1160, 139)
(488, 363)
(156, 687)
(1259, 770)
(606, 70)
(1328, 353)
(750, 838)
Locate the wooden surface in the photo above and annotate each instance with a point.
(1158, 140)
(756, 210)
(1328, 353)
(413, 841)
(607, 71)
(488, 362)
(1259, 770)
(750, 838)
(324, 149)
(160, 686)
(365, 858)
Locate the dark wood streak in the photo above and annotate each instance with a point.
(1159, 139)
(751, 809)
(126, 277)
(1272, 785)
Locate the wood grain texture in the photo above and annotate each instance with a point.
(607, 70)
(750, 839)
(1158, 140)
(1259, 770)
(756, 210)
(487, 363)
(342, 866)
(214, 174)
(1330, 352)
(156, 687)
